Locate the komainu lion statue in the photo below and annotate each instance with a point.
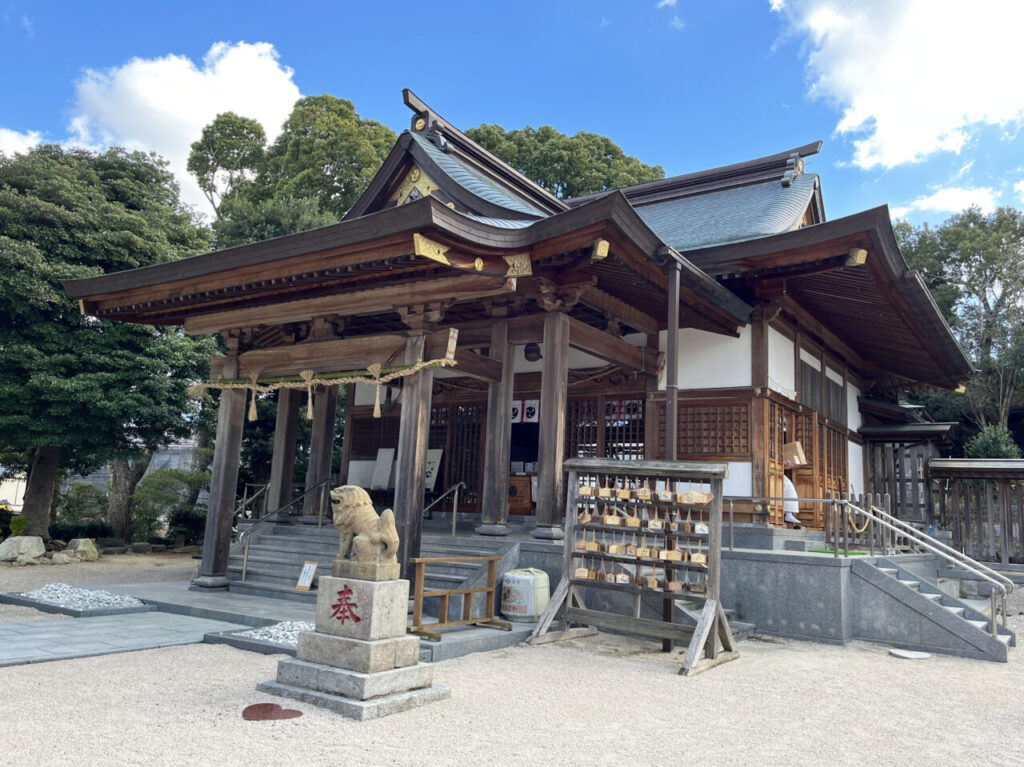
(361, 533)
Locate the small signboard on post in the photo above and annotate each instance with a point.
(306, 576)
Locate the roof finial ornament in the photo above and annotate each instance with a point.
(794, 168)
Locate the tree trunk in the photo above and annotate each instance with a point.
(124, 476)
(39, 490)
(55, 501)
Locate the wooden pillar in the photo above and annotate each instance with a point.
(223, 482)
(346, 440)
(759, 348)
(494, 509)
(672, 365)
(279, 491)
(321, 443)
(413, 435)
(652, 410)
(554, 390)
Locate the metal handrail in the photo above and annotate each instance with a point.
(245, 536)
(247, 499)
(997, 580)
(455, 503)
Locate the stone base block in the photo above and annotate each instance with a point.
(358, 654)
(548, 533)
(366, 571)
(362, 609)
(492, 529)
(352, 684)
(361, 710)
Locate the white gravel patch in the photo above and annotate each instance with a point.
(74, 598)
(285, 633)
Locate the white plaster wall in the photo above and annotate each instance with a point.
(577, 359)
(740, 480)
(781, 364)
(834, 375)
(854, 420)
(856, 467)
(810, 359)
(710, 360)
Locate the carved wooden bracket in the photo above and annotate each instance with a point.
(424, 316)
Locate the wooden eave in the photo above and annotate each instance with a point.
(376, 251)
(881, 309)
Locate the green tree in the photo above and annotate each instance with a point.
(229, 151)
(246, 220)
(83, 502)
(160, 496)
(78, 391)
(974, 266)
(566, 166)
(993, 442)
(326, 153)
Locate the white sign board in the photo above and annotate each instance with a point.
(306, 576)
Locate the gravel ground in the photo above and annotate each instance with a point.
(597, 701)
(123, 568)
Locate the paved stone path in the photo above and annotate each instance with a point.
(38, 641)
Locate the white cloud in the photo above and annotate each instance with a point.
(666, 4)
(1019, 189)
(952, 200)
(915, 77)
(677, 23)
(162, 104)
(11, 141)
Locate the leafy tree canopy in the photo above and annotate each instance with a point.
(230, 150)
(309, 176)
(566, 166)
(79, 388)
(974, 266)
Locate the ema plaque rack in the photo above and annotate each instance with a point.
(649, 531)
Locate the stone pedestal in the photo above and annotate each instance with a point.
(359, 662)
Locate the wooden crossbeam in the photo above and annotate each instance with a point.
(611, 348)
(620, 310)
(338, 355)
(461, 288)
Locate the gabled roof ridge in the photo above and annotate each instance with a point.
(472, 152)
(760, 169)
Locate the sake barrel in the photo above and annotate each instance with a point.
(524, 594)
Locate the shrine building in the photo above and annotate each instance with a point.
(497, 330)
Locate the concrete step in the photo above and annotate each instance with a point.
(954, 609)
(911, 584)
(889, 571)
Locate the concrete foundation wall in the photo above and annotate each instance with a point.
(796, 595)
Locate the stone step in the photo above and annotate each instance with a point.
(955, 609)
(889, 571)
(931, 596)
(911, 584)
(983, 625)
(270, 590)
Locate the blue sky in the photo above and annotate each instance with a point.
(919, 102)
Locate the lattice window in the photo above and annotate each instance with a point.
(722, 430)
(624, 428)
(370, 434)
(466, 424)
(582, 429)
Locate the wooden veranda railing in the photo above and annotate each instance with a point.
(430, 630)
(981, 502)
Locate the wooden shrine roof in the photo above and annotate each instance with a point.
(377, 251)
(879, 308)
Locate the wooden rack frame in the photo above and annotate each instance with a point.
(709, 626)
(430, 630)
